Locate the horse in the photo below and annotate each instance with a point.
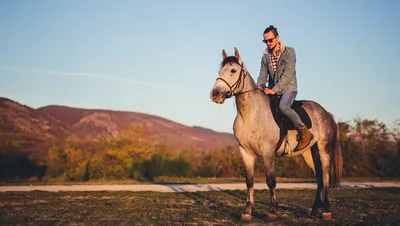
(258, 134)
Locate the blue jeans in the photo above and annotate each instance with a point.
(285, 104)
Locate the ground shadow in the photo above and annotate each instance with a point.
(185, 188)
(213, 205)
(262, 206)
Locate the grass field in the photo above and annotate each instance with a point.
(193, 180)
(350, 207)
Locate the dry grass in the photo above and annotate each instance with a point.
(350, 207)
(192, 180)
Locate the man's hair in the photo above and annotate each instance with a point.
(273, 29)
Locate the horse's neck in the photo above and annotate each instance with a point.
(249, 104)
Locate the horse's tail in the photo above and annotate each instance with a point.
(336, 156)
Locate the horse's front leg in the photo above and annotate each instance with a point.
(271, 182)
(249, 161)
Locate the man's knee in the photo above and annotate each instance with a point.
(284, 109)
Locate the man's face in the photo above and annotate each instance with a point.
(270, 39)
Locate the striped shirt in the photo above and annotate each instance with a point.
(274, 59)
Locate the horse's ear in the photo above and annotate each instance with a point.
(238, 56)
(224, 55)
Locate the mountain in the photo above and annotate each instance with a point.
(31, 129)
(99, 123)
(38, 129)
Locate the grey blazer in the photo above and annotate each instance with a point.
(285, 77)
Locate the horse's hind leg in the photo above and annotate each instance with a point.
(324, 148)
(318, 174)
(249, 162)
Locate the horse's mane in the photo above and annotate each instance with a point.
(233, 59)
(230, 59)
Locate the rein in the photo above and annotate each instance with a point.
(238, 82)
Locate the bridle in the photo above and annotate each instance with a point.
(239, 82)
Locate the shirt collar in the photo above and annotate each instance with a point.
(281, 48)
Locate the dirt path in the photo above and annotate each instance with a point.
(188, 187)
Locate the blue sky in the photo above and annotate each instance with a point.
(162, 57)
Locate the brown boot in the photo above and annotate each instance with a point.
(304, 138)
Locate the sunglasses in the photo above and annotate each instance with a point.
(269, 40)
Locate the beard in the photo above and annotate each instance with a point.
(274, 47)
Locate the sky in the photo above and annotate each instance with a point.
(161, 57)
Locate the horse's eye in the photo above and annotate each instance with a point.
(233, 70)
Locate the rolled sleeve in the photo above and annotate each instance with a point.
(262, 78)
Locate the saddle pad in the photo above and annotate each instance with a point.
(282, 120)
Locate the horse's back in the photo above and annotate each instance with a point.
(323, 121)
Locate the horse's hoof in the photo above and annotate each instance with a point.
(246, 217)
(327, 216)
(312, 212)
(270, 217)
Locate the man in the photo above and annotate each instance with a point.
(278, 68)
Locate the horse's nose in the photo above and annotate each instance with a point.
(215, 93)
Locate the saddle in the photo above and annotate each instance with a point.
(284, 123)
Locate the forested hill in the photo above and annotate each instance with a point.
(35, 130)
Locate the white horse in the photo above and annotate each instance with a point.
(258, 135)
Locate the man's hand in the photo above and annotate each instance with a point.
(269, 91)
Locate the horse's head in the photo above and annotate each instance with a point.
(230, 79)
